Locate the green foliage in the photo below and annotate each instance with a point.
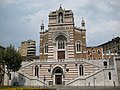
(12, 59)
(25, 88)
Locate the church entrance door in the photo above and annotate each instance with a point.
(58, 76)
(61, 54)
(58, 79)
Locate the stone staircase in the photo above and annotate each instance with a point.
(83, 77)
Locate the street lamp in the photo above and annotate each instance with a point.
(37, 79)
(44, 80)
(94, 81)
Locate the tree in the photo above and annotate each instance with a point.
(12, 59)
(1, 65)
(1, 54)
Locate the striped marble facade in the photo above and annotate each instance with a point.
(72, 73)
(65, 29)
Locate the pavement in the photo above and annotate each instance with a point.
(84, 88)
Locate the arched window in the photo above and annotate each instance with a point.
(109, 74)
(78, 47)
(98, 51)
(81, 70)
(88, 52)
(46, 48)
(36, 70)
(61, 44)
(60, 17)
(9, 76)
(105, 64)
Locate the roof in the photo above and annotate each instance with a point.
(113, 40)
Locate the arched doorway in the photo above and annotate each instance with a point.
(58, 75)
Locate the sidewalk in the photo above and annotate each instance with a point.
(84, 88)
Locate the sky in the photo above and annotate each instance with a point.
(20, 19)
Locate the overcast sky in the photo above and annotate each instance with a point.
(20, 19)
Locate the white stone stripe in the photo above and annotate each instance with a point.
(49, 39)
(49, 36)
(50, 46)
(50, 33)
(50, 51)
(71, 39)
(71, 45)
(70, 50)
(50, 57)
(72, 56)
(50, 54)
(70, 53)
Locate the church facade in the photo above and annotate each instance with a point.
(62, 40)
(63, 57)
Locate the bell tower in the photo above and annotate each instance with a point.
(83, 23)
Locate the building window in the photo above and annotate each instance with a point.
(61, 44)
(46, 48)
(60, 17)
(98, 51)
(78, 47)
(118, 47)
(105, 64)
(81, 70)
(36, 70)
(109, 74)
(107, 51)
(9, 76)
(88, 52)
(93, 51)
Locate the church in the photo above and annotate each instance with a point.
(62, 40)
(62, 59)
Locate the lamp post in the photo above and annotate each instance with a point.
(94, 81)
(44, 80)
(37, 80)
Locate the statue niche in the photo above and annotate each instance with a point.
(60, 17)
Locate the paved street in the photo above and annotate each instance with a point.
(84, 88)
